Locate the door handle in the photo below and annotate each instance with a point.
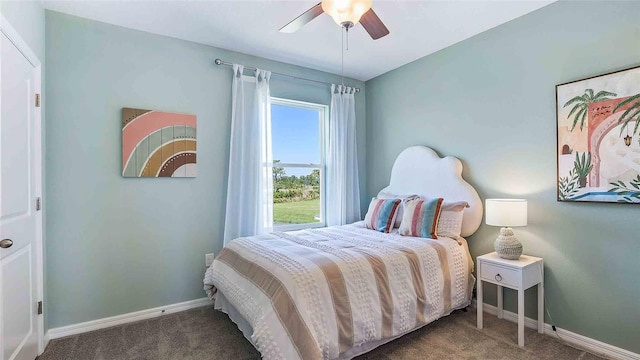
(6, 243)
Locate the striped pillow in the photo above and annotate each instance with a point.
(420, 217)
(382, 214)
(386, 195)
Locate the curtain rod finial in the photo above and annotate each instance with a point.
(218, 62)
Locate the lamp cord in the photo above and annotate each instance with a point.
(555, 330)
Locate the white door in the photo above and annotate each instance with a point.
(19, 220)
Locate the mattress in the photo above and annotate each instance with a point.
(336, 292)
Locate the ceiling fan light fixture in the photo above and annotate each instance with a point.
(346, 12)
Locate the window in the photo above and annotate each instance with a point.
(298, 145)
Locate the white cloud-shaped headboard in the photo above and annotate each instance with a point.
(419, 170)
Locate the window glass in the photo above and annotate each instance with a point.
(298, 163)
(295, 133)
(296, 198)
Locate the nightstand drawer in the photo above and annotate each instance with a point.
(499, 275)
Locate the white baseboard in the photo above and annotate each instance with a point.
(580, 341)
(80, 328)
(45, 342)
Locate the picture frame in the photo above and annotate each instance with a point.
(598, 138)
(158, 144)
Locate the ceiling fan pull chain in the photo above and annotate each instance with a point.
(347, 31)
(342, 58)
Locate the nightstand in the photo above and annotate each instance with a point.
(519, 275)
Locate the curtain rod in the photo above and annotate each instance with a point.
(222, 62)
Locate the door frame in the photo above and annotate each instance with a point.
(17, 40)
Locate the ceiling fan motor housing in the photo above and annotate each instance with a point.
(346, 25)
(346, 11)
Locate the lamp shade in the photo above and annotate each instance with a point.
(349, 11)
(506, 212)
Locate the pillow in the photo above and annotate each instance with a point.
(386, 195)
(420, 217)
(450, 221)
(382, 214)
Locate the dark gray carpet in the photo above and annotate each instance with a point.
(203, 333)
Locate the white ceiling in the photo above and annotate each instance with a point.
(418, 28)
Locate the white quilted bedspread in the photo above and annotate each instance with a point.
(316, 294)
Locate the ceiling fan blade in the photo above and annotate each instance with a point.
(374, 26)
(303, 19)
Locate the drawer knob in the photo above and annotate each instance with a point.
(498, 277)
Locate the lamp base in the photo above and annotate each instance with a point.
(507, 245)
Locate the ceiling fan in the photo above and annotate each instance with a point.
(345, 13)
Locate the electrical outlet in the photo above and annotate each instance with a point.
(208, 259)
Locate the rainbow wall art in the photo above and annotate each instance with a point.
(158, 144)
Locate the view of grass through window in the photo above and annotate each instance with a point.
(295, 133)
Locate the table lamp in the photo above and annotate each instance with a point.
(507, 213)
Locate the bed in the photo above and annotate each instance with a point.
(338, 292)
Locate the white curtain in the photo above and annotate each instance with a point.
(343, 192)
(249, 208)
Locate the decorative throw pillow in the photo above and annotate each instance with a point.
(450, 221)
(420, 217)
(382, 214)
(403, 198)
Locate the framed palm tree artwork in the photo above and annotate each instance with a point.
(598, 141)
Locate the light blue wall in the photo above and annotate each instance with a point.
(117, 245)
(490, 100)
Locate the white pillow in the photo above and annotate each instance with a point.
(450, 221)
